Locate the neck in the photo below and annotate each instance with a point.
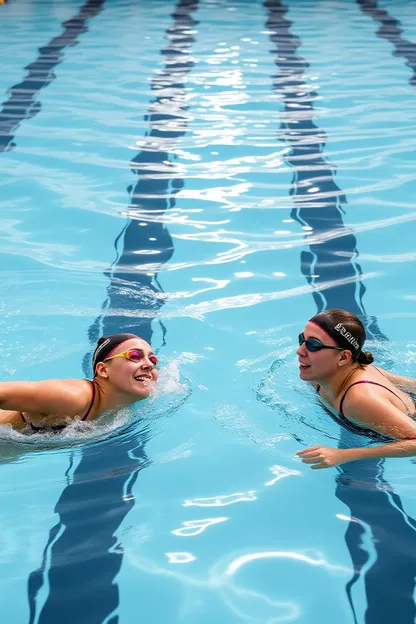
(110, 399)
(332, 386)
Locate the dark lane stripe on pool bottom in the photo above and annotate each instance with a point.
(360, 485)
(83, 555)
(391, 31)
(22, 102)
(332, 254)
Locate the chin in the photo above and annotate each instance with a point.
(140, 396)
(303, 373)
(306, 375)
(143, 393)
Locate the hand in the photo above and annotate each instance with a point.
(323, 456)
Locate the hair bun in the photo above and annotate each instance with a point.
(365, 358)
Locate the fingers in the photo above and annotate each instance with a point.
(310, 454)
(312, 460)
(305, 451)
(319, 456)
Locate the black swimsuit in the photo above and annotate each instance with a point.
(351, 426)
(34, 428)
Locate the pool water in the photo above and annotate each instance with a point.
(208, 174)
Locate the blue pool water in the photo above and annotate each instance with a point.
(208, 174)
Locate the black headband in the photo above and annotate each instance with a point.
(106, 344)
(339, 333)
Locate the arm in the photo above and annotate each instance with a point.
(404, 448)
(377, 414)
(46, 397)
(404, 383)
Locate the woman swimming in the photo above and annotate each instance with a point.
(124, 372)
(365, 399)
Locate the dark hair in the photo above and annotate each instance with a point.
(352, 324)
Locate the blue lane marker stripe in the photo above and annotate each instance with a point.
(22, 103)
(391, 31)
(84, 553)
(360, 485)
(371, 499)
(321, 210)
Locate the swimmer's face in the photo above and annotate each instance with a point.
(318, 365)
(135, 379)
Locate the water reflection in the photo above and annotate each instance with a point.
(195, 527)
(221, 501)
(281, 472)
(241, 561)
(180, 557)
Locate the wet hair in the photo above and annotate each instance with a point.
(106, 345)
(346, 330)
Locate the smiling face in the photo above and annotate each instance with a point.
(134, 379)
(318, 365)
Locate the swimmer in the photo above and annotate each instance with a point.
(124, 372)
(365, 399)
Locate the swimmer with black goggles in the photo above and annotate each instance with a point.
(363, 398)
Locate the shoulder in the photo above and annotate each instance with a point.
(73, 393)
(363, 401)
(361, 392)
(73, 386)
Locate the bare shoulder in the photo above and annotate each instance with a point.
(361, 393)
(374, 410)
(74, 393)
(71, 386)
(366, 401)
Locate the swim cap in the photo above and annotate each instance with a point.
(106, 344)
(338, 332)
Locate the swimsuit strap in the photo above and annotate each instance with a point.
(92, 400)
(363, 381)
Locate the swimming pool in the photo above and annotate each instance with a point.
(209, 174)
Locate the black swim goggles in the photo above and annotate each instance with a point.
(313, 344)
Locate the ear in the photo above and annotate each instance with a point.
(102, 370)
(344, 358)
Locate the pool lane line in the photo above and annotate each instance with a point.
(22, 103)
(317, 197)
(391, 30)
(358, 482)
(83, 556)
(372, 501)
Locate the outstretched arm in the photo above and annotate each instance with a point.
(46, 397)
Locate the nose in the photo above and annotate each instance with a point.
(147, 364)
(302, 351)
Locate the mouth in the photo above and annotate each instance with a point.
(303, 366)
(143, 378)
